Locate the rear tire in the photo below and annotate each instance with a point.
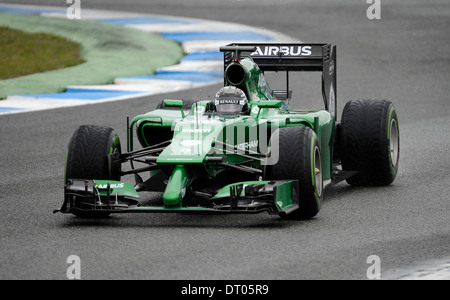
(370, 142)
(299, 159)
(87, 157)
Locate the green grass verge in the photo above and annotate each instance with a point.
(25, 53)
(110, 51)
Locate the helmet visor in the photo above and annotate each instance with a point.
(229, 106)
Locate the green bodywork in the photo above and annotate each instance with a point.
(196, 134)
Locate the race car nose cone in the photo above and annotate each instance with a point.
(176, 187)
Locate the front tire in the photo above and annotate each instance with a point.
(87, 157)
(299, 158)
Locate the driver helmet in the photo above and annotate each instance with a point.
(231, 100)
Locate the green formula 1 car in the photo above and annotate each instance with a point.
(244, 151)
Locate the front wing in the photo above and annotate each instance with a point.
(274, 197)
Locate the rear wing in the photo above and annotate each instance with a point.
(295, 57)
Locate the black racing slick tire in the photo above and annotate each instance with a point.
(299, 158)
(370, 142)
(87, 157)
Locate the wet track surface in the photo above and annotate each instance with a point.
(403, 57)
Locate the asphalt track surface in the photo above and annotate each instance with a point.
(403, 57)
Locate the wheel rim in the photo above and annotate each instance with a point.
(318, 172)
(393, 142)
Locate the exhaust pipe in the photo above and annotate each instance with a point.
(235, 74)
